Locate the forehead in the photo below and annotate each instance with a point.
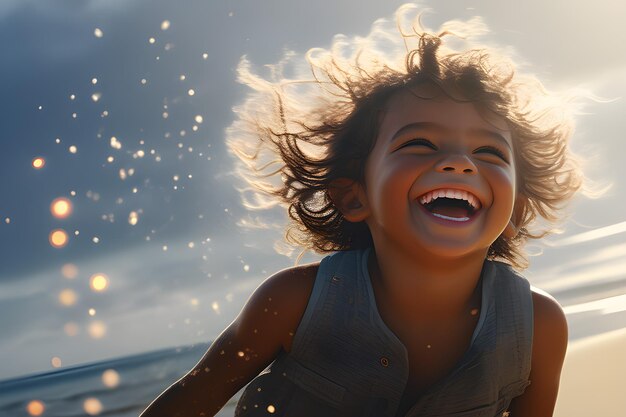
(429, 104)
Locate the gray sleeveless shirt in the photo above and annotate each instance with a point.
(346, 362)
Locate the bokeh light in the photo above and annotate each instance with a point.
(216, 307)
(69, 271)
(58, 238)
(92, 406)
(38, 162)
(56, 362)
(61, 207)
(97, 329)
(133, 218)
(110, 378)
(35, 408)
(97, 32)
(70, 329)
(99, 282)
(165, 25)
(68, 297)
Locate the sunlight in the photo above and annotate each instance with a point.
(589, 236)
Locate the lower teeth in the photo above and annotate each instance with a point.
(455, 219)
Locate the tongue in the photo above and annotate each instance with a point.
(450, 211)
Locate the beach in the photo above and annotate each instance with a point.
(592, 381)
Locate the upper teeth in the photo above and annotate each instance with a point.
(450, 193)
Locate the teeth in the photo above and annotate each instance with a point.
(451, 193)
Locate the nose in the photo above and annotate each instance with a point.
(456, 163)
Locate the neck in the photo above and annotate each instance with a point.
(427, 287)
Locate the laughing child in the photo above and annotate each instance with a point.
(421, 161)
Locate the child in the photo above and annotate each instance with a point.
(422, 166)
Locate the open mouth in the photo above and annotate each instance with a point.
(450, 204)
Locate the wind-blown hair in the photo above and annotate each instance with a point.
(295, 135)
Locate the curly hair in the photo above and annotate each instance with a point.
(295, 136)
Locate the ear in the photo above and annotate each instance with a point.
(519, 210)
(349, 197)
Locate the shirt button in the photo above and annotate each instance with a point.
(384, 361)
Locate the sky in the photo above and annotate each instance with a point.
(127, 102)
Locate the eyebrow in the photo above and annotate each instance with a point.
(436, 126)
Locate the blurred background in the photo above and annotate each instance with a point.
(121, 225)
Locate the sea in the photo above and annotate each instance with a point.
(81, 391)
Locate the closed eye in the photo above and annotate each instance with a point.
(419, 142)
(494, 151)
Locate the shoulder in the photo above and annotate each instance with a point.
(279, 302)
(550, 324)
(548, 353)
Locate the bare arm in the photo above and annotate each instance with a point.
(249, 344)
(549, 347)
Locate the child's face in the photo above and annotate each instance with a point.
(428, 146)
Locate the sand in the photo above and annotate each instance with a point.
(592, 382)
